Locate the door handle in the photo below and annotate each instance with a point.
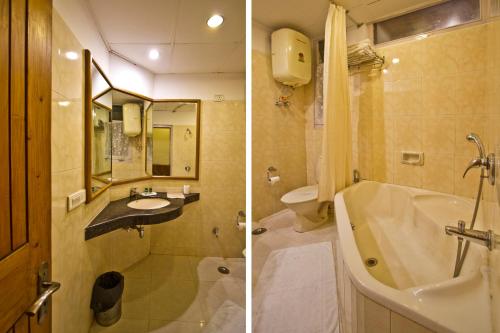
(45, 289)
(50, 288)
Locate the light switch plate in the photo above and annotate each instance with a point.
(219, 98)
(76, 199)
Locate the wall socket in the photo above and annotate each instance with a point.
(219, 98)
(76, 199)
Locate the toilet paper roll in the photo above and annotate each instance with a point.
(241, 226)
(274, 180)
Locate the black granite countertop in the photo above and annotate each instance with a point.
(118, 215)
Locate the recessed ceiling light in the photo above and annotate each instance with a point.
(71, 55)
(385, 71)
(215, 21)
(395, 60)
(154, 54)
(63, 103)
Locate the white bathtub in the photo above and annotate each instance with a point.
(412, 284)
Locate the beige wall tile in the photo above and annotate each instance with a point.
(408, 133)
(438, 173)
(278, 139)
(438, 135)
(439, 95)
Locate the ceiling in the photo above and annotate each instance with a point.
(178, 30)
(309, 16)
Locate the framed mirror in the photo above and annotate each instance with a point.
(97, 104)
(131, 137)
(173, 139)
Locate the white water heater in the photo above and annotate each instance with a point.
(131, 119)
(291, 57)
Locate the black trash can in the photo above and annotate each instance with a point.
(107, 298)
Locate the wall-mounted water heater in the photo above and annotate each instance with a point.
(291, 57)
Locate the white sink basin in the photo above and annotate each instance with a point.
(153, 203)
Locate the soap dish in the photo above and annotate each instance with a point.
(149, 194)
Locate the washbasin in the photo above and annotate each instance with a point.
(152, 203)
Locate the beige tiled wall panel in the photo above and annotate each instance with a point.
(278, 138)
(76, 262)
(444, 87)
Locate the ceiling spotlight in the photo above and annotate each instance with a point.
(71, 55)
(154, 54)
(215, 21)
(63, 103)
(385, 71)
(395, 60)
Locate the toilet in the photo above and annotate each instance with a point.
(310, 213)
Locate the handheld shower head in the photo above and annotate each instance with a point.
(472, 137)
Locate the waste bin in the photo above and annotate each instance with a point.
(107, 298)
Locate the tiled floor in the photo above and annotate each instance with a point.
(180, 294)
(294, 278)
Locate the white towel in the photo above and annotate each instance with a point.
(175, 196)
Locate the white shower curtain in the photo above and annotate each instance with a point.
(335, 169)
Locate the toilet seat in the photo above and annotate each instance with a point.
(301, 194)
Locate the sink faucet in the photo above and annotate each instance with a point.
(486, 238)
(486, 163)
(133, 193)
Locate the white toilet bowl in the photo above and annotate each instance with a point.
(304, 202)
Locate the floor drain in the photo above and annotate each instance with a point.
(370, 262)
(223, 270)
(259, 231)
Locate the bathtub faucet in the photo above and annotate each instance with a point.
(485, 238)
(486, 163)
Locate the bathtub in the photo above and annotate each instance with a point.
(410, 288)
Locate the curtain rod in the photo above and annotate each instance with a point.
(348, 16)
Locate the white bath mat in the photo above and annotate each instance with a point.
(296, 291)
(229, 318)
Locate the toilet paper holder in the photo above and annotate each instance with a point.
(272, 179)
(240, 218)
(270, 171)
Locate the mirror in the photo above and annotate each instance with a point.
(130, 137)
(101, 145)
(98, 162)
(172, 139)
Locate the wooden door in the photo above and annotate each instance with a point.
(25, 184)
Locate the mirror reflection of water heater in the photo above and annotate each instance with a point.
(291, 57)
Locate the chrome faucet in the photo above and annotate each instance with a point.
(133, 193)
(486, 238)
(486, 163)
